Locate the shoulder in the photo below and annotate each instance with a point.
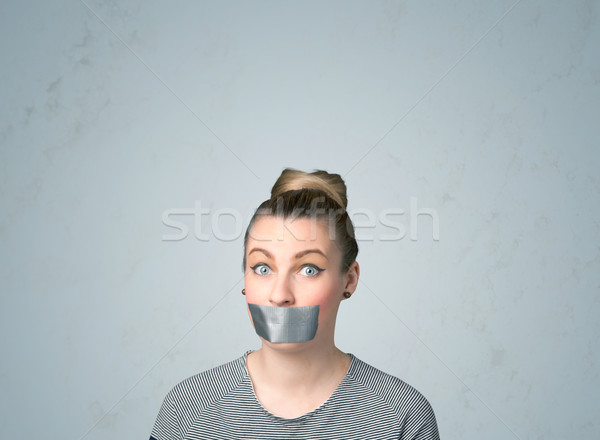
(207, 387)
(189, 398)
(391, 389)
(412, 409)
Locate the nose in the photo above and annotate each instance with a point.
(282, 294)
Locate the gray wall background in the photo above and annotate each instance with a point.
(483, 113)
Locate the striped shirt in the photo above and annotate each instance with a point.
(368, 404)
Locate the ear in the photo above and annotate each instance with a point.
(351, 277)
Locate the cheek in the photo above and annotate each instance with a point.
(327, 300)
(249, 288)
(252, 288)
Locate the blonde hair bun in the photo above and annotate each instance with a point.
(331, 184)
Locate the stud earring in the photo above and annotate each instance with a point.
(347, 294)
(243, 291)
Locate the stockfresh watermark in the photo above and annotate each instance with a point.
(229, 224)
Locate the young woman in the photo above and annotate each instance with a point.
(299, 264)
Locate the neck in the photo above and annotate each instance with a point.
(301, 367)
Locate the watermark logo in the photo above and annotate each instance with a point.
(228, 224)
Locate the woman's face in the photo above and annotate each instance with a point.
(294, 263)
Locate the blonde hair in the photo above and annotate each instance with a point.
(331, 184)
(316, 195)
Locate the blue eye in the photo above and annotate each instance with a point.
(310, 270)
(261, 269)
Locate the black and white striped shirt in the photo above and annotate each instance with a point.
(368, 404)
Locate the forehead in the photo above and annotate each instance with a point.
(291, 234)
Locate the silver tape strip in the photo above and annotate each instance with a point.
(285, 324)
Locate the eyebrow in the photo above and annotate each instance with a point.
(298, 255)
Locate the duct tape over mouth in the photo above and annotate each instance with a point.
(285, 324)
